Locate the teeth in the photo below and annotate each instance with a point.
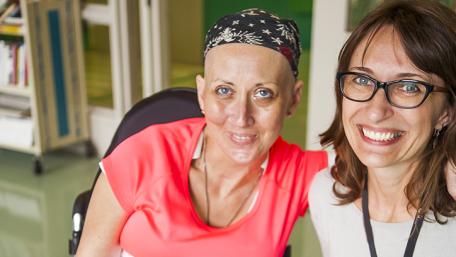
(379, 136)
(242, 138)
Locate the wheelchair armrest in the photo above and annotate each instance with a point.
(80, 206)
(287, 252)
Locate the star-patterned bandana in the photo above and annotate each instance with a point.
(257, 27)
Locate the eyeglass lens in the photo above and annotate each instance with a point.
(401, 93)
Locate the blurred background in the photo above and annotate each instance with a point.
(70, 70)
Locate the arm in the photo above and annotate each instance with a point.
(450, 173)
(105, 218)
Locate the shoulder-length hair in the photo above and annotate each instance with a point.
(427, 31)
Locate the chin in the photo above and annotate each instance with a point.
(243, 157)
(375, 161)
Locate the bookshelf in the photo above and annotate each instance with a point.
(43, 102)
(14, 90)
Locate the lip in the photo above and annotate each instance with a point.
(242, 139)
(380, 136)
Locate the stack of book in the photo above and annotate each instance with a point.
(13, 68)
(13, 64)
(11, 22)
(16, 127)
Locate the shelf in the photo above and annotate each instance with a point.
(23, 149)
(15, 90)
(11, 112)
(16, 133)
(42, 96)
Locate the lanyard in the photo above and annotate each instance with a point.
(417, 223)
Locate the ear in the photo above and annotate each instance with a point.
(443, 120)
(200, 86)
(296, 97)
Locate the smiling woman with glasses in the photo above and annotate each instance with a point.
(385, 196)
(403, 93)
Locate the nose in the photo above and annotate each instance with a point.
(378, 108)
(241, 112)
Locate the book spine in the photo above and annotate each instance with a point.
(21, 66)
(3, 60)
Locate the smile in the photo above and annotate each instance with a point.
(381, 136)
(242, 138)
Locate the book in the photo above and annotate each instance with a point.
(10, 10)
(11, 29)
(3, 5)
(21, 67)
(18, 21)
(13, 66)
(3, 64)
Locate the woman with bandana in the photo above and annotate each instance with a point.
(394, 132)
(223, 185)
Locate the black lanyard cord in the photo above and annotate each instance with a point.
(411, 243)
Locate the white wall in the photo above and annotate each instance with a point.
(103, 125)
(328, 36)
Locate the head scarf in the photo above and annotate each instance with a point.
(257, 27)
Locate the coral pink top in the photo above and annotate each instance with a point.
(148, 173)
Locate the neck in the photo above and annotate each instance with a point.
(228, 176)
(387, 199)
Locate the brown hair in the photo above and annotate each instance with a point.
(427, 31)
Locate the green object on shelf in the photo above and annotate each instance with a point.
(11, 38)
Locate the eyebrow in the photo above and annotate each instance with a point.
(401, 75)
(233, 84)
(223, 81)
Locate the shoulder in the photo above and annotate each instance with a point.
(157, 146)
(162, 135)
(176, 130)
(437, 236)
(448, 228)
(321, 188)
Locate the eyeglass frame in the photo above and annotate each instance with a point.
(385, 85)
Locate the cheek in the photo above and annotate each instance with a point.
(348, 122)
(440, 113)
(346, 114)
(215, 113)
(420, 123)
(270, 119)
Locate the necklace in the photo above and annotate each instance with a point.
(415, 231)
(206, 189)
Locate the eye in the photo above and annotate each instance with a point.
(362, 80)
(223, 91)
(263, 93)
(409, 87)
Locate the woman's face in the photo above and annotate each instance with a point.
(246, 93)
(381, 135)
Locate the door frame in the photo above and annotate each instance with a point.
(126, 38)
(329, 19)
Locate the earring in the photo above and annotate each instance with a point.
(202, 111)
(435, 137)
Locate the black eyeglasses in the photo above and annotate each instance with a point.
(405, 93)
